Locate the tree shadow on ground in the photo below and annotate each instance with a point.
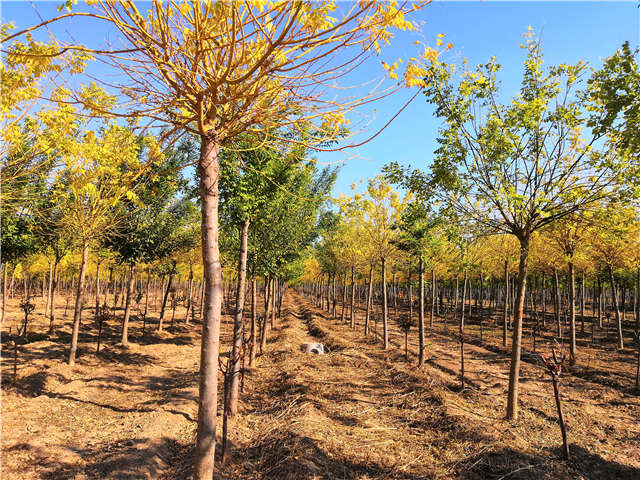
(130, 459)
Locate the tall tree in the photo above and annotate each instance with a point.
(516, 167)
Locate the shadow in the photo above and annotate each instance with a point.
(129, 459)
(122, 356)
(289, 456)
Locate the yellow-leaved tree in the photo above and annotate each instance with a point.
(224, 68)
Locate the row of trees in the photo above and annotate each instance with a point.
(528, 188)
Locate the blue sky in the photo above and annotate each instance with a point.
(570, 31)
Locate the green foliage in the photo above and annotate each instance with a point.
(515, 167)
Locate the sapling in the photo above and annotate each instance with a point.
(405, 323)
(554, 367)
(27, 307)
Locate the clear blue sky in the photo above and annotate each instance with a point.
(570, 31)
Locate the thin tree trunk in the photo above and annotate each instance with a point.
(367, 317)
(505, 322)
(254, 329)
(77, 312)
(48, 304)
(124, 339)
(209, 169)
(514, 373)
(146, 298)
(237, 322)
(385, 312)
(421, 313)
(433, 296)
(556, 302)
(352, 317)
(464, 297)
(5, 267)
(616, 308)
(344, 298)
(95, 317)
(572, 313)
(189, 294)
(166, 297)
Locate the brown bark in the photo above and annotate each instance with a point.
(616, 308)
(124, 339)
(209, 169)
(344, 298)
(433, 297)
(572, 313)
(254, 326)
(556, 302)
(464, 297)
(77, 311)
(352, 319)
(505, 322)
(48, 304)
(421, 312)
(385, 329)
(367, 317)
(166, 294)
(238, 333)
(516, 345)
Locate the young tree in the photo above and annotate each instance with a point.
(225, 68)
(382, 209)
(99, 170)
(155, 222)
(519, 166)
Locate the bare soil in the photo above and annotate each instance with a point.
(358, 412)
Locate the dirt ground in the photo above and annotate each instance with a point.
(358, 412)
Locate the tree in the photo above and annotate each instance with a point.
(418, 236)
(99, 170)
(517, 167)
(222, 69)
(154, 220)
(382, 208)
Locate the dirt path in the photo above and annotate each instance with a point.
(358, 412)
(603, 422)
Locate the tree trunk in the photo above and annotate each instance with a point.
(367, 317)
(238, 333)
(344, 298)
(146, 298)
(464, 298)
(267, 312)
(352, 317)
(124, 339)
(616, 308)
(514, 373)
(385, 329)
(168, 289)
(254, 327)
(556, 302)
(77, 312)
(95, 317)
(48, 304)
(189, 294)
(5, 267)
(421, 313)
(505, 322)
(572, 313)
(638, 305)
(433, 296)
(209, 167)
